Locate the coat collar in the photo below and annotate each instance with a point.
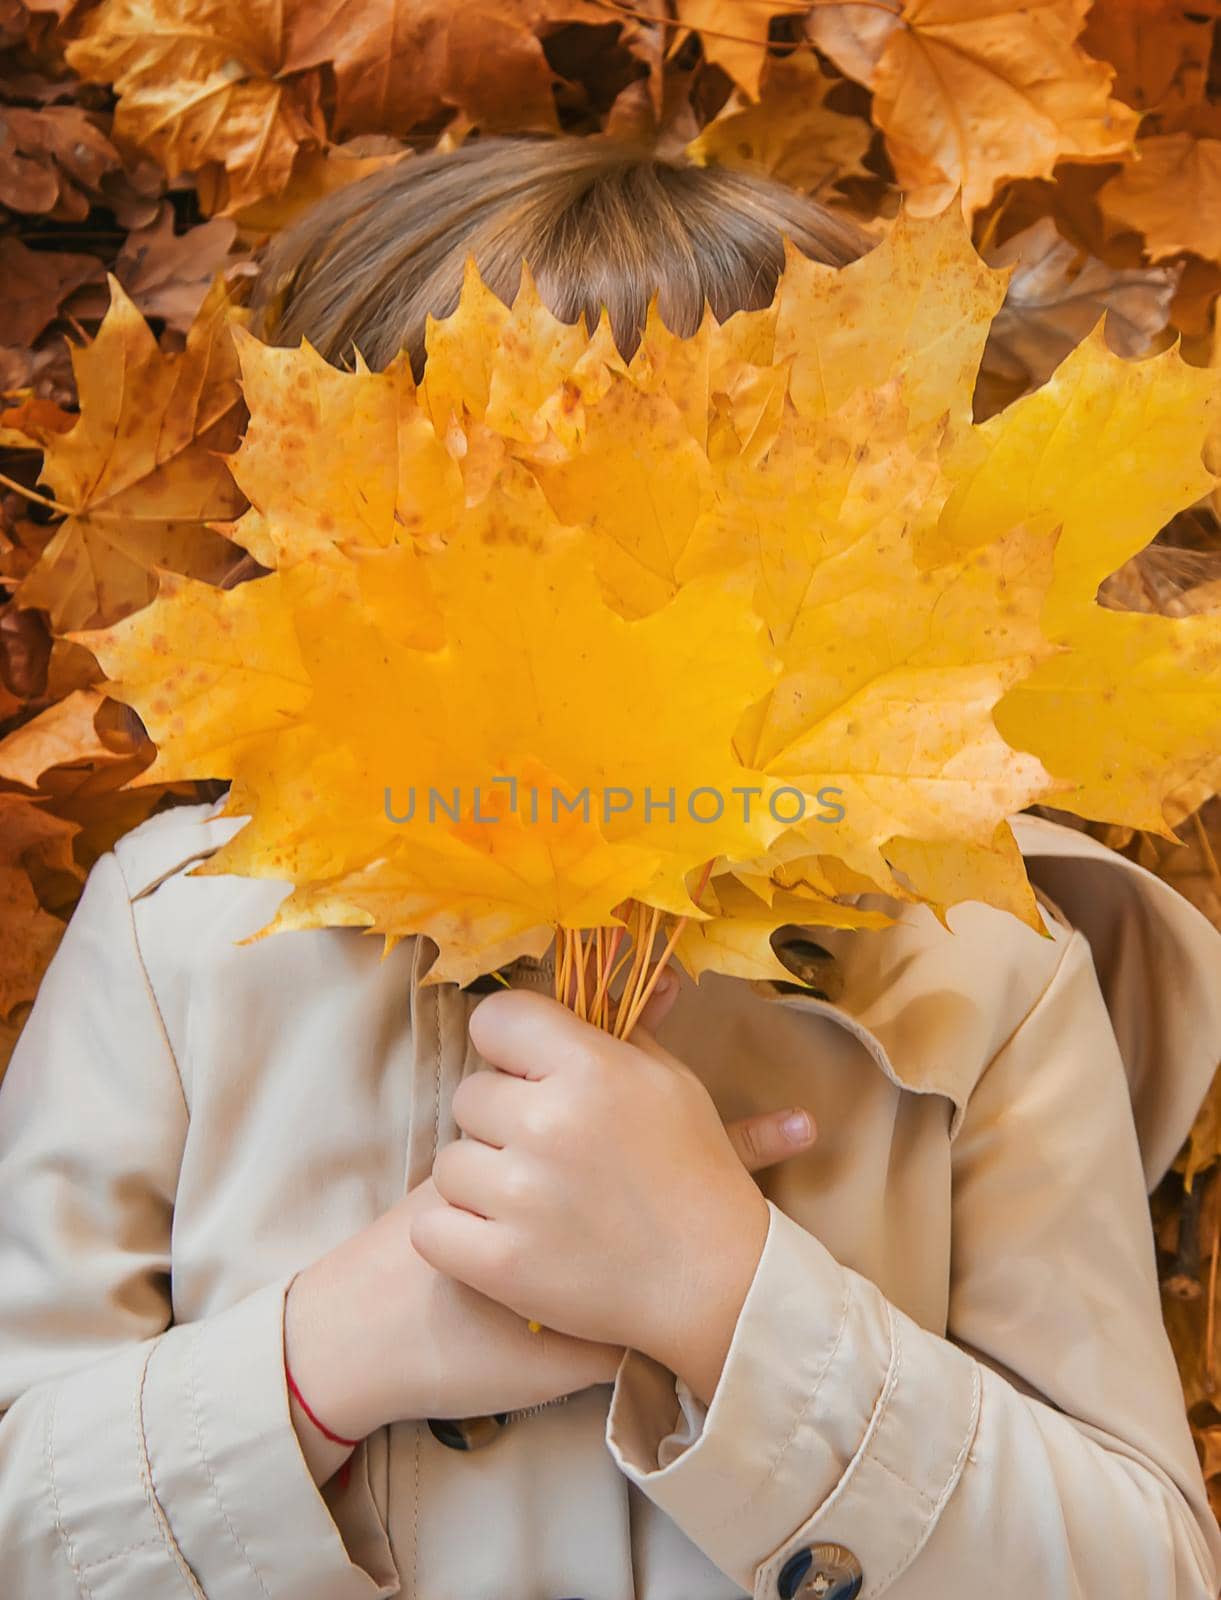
(1158, 961)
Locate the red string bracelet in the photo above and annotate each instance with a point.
(321, 1426)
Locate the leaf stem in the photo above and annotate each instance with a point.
(32, 494)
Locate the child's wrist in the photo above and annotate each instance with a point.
(699, 1331)
(324, 1348)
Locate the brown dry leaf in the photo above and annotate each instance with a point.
(10, 1032)
(1210, 1444)
(43, 371)
(65, 732)
(1054, 298)
(235, 95)
(25, 649)
(853, 36)
(666, 107)
(1159, 49)
(1192, 866)
(104, 812)
(37, 282)
(1204, 1141)
(34, 837)
(1212, 347)
(399, 66)
(141, 473)
(53, 161)
(1171, 193)
(28, 938)
(967, 96)
(166, 274)
(734, 34)
(790, 132)
(1197, 293)
(1187, 1320)
(33, 423)
(33, 843)
(1070, 199)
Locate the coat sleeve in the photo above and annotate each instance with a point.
(139, 1459)
(1040, 1448)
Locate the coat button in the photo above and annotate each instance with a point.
(467, 1433)
(820, 1572)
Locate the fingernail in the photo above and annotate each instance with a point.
(796, 1127)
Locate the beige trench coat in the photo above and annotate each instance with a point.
(950, 1369)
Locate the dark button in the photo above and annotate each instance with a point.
(820, 1572)
(467, 1433)
(812, 963)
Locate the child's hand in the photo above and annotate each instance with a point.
(597, 1190)
(375, 1334)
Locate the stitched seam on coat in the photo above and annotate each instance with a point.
(890, 1384)
(831, 1500)
(203, 1456)
(66, 1544)
(938, 1505)
(416, 1435)
(415, 1512)
(148, 987)
(896, 1334)
(811, 1396)
(142, 1544)
(150, 1493)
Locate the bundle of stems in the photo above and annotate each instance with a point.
(587, 961)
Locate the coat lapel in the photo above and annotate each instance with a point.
(1157, 957)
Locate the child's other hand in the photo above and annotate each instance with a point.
(375, 1334)
(597, 1189)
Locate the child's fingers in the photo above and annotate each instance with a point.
(772, 1136)
(464, 1246)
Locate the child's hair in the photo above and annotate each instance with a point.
(599, 221)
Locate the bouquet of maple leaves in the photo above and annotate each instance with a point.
(147, 151)
(777, 558)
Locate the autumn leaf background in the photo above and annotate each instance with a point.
(148, 151)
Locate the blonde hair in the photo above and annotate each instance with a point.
(600, 222)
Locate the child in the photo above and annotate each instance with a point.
(273, 1218)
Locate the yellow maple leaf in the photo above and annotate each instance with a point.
(774, 559)
(339, 736)
(308, 502)
(968, 95)
(140, 473)
(890, 670)
(1104, 453)
(736, 939)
